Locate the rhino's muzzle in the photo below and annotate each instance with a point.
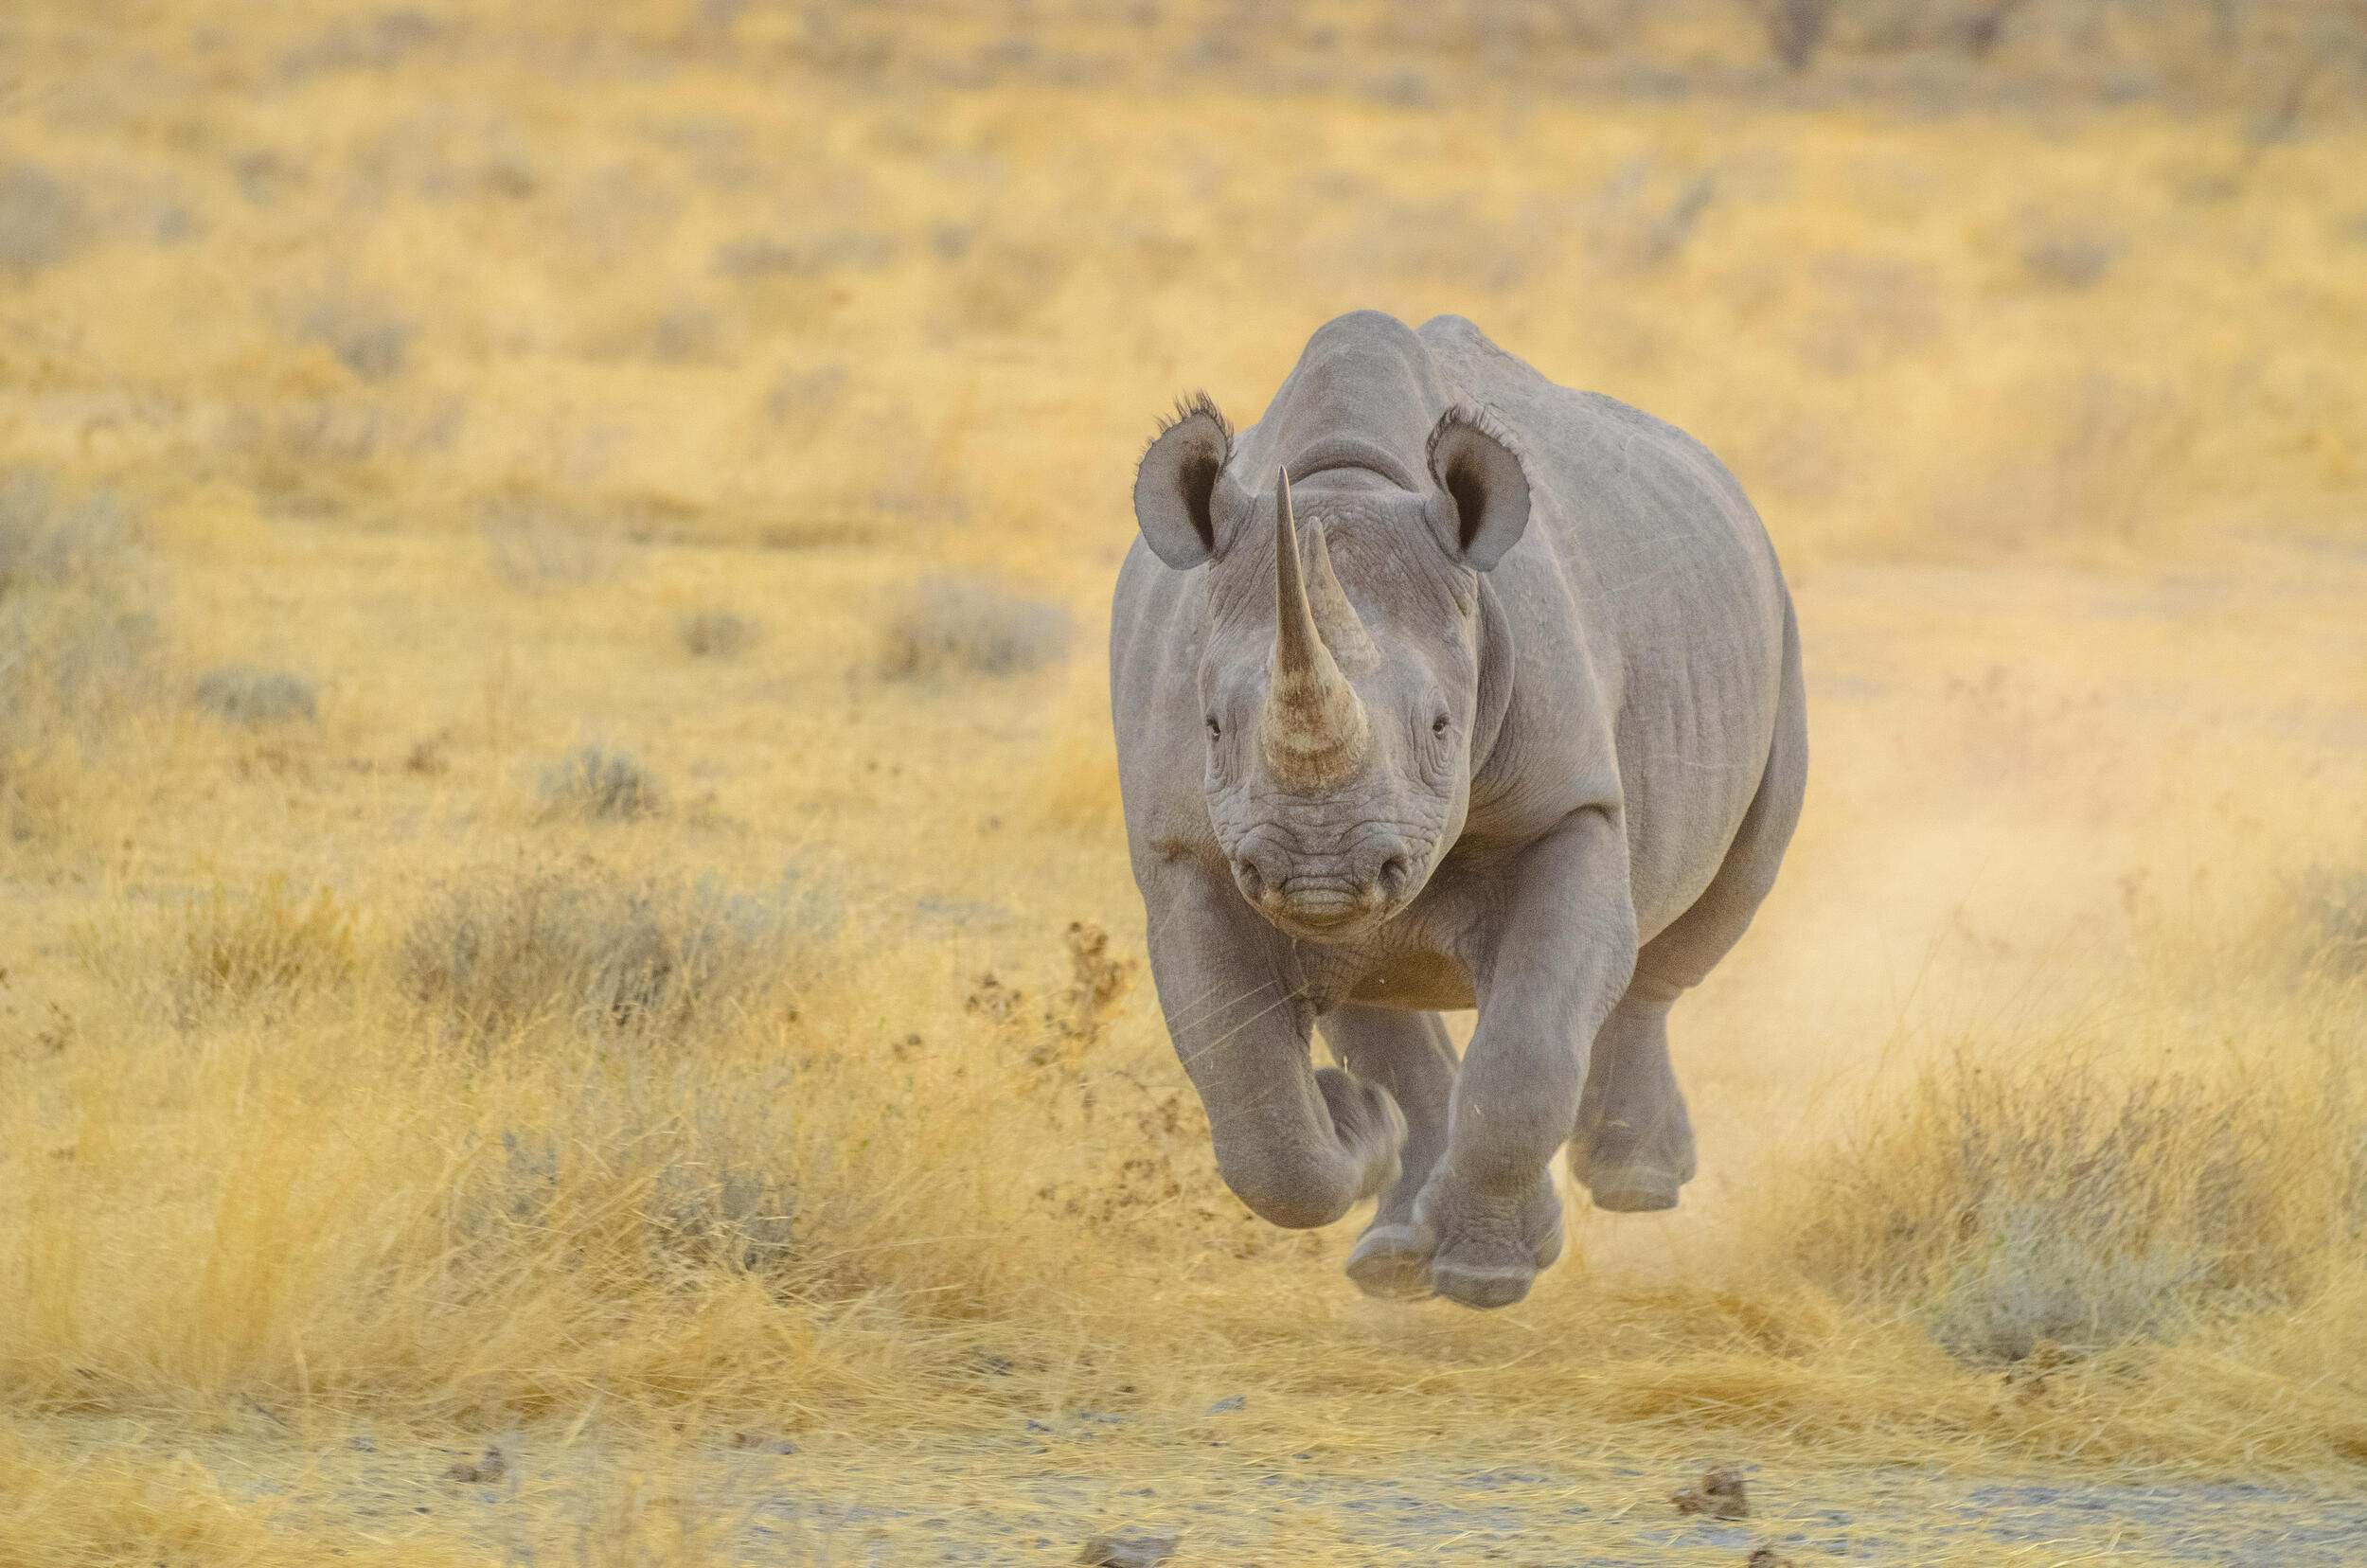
(1325, 902)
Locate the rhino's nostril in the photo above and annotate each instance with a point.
(1394, 872)
(1253, 884)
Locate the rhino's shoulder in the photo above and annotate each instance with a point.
(1471, 357)
(1572, 428)
(1492, 373)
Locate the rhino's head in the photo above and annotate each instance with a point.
(1342, 653)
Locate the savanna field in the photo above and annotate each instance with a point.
(569, 986)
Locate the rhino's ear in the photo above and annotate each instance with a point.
(1184, 499)
(1483, 502)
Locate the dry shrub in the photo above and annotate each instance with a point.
(2329, 932)
(77, 646)
(342, 1216)
(51, 541)
(601, 784)
(70, 574)
(695, 1198)
(2067, 256)
(593, 952)
(2050, 1207)
(353, 1212)
(805, 256)
(804, 397)
(960, 624)
(380, 42)
(717, 634)
(1795, 29)
(1640, 218)
(368, 336)
(267, 943)
(244, 694)
(533, 547)
(43, 221)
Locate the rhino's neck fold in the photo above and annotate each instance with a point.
(1364, 394)
(1498, 658)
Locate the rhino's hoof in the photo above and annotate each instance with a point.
(1496, 1273)
(1634, 1189)
(1392, 1263)
(1484, 1286)
(1491, 1248)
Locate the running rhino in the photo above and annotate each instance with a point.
(1445, 687)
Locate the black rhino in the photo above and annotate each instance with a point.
(1446, 686)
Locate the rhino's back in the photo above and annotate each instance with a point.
(1643, 541)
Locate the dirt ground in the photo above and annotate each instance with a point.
(1038, 1493)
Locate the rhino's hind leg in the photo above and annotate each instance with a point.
(1634, 1143)
(1408, 1055)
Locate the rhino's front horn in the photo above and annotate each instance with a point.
(1313, 728)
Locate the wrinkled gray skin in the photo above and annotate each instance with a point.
(1494, 701)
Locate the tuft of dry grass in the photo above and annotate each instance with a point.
(52, 540)
(42, 221)
(961, 625)
(269, 943)
(368, 336)
(600, 783)
(78, 642)
(500, 955)
(716, 633)
(2069, 257)
(534, 547)
(2328, 933)
(2052, 1206)
(70, 578)
(245, 694)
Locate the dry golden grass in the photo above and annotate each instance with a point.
(395, 1075)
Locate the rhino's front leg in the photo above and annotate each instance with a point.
(1552, 972)
(1410, 1055)
(1299, 1147)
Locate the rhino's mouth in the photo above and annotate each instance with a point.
(1328, 907)
(1325, 924)
(1323, 908)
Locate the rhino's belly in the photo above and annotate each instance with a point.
(1429, 981)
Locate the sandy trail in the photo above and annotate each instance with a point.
(1035, 1493)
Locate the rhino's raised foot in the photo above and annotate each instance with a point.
(1369, 1125)
(1392, 1263)
(1634, 1189)
(1633, 1168)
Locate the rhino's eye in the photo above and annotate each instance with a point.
(1438, 725)
(1216, 731)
